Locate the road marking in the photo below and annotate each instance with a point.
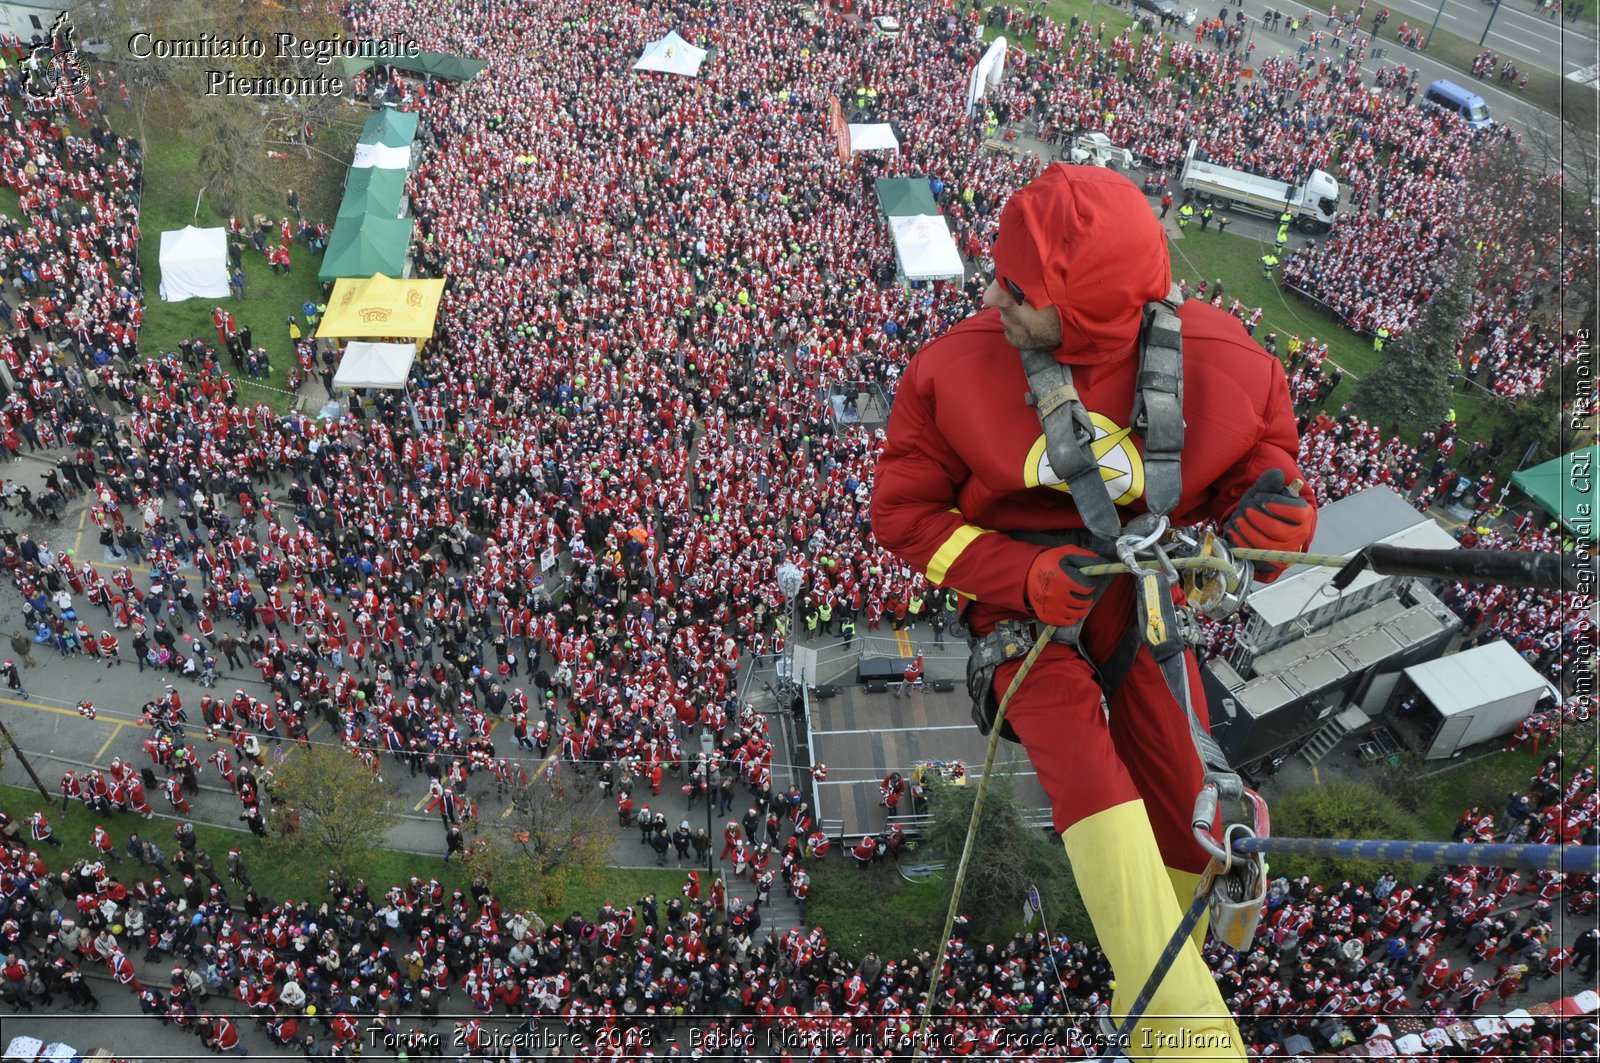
(888, 730)
(905, 643)
(41, 708)
(1316, 775)
(109, 739)
(281, 751)
(114, 565)
(77, 543)
(973, 774)
(1519, 42)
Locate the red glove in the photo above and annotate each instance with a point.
(1269, 517)
(1056, 591)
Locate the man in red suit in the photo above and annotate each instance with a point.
(967, 489)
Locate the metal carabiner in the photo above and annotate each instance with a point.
(1129, 546)
(1207, 805)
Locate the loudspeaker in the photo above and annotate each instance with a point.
(877, 686)
(884, 668)
(944, 686)
(823, 693)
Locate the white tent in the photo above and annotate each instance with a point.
(987, 74)
(672, 55)
(876, 137)
(925, 248)
(194, 264)
(375, 365)
(382, 156)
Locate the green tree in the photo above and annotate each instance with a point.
(327, 806)
(1545, 419)
(1410, 388)
(1346, 810)
(544, 843)
(1008, 856)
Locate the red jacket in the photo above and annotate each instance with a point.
(965, 457)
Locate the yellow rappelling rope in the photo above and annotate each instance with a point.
(972, 835)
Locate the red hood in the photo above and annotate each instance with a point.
(1084, 240)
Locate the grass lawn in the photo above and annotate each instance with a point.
(303, 879)
(1484, 782)
(874, 910)
(1236, 259)
(1116, 19)
(171, 185)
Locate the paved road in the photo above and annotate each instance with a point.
(1515, 29)
(1563, 52)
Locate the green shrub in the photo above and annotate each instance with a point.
(1346, 810)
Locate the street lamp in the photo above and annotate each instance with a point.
(790, 580)
(1438, 15)
(1493, 11)
(707, 747)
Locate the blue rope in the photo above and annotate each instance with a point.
(1572, 858)
(1118, 1049)
(1580, 859)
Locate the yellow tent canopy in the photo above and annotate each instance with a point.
(381, 306)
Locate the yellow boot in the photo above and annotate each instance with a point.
(1130, 899)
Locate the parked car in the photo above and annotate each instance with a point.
(1159, 8)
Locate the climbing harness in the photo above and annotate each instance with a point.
(1230, 821)
(1157, 417)
(1235, 882)
(1069, 433)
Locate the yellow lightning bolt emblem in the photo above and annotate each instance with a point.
(1113, 448)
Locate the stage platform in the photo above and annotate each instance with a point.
(862, 737)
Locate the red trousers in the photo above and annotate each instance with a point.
(1088, 763)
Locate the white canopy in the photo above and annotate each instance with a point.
(672, 55)
(925, 248)
(876, 137)
(382, 156)
(194, 264)
(375, 365)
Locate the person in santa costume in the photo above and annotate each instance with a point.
(966, 491)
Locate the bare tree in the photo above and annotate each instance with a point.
(545, 841)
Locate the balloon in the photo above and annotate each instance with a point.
(116, 928)
(311, 1009)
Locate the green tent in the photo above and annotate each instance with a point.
(362, 246)
(373, 191)
(923, 246)
(391, 128)
(902, 197)
(436, 64)
(1565, 488)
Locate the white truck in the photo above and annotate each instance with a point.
(1096, 149)
(1313, 202)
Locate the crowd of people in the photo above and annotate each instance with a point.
(618, 443)
(382, 967)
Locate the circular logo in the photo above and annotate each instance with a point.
(1113, 449)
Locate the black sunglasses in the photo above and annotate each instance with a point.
(1011, 286)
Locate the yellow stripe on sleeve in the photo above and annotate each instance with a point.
(946, 555)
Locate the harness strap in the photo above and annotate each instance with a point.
(1157, 417)
(1158, 404)
(1067, 435)
(1159, 632)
